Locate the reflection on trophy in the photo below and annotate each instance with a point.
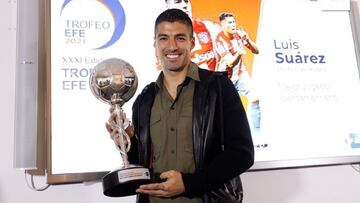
(114, 81)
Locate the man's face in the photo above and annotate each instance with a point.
(229, 25)
(173, 44)
(183, 5)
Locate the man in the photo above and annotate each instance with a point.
(203, 54)
(190, 126)
(230, 46)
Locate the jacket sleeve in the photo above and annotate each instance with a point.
(140, 150)
(133, 154)
(238, 153)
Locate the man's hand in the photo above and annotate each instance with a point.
(111, 126)
(173, 185)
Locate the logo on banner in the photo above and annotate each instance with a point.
(79, 29)
(355, 140)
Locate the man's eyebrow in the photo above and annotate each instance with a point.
(165, 35)
(181, 35)
(161, 35)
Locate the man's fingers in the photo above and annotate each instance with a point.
(153, 186)
(112, 108)
(108, 127)
(167, 174)
(112, 131)
(123, 115)
(155, 189)
(112, 118)
(157, 193)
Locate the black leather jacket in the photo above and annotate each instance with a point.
(223, 148)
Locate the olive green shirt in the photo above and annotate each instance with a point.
(171, 130)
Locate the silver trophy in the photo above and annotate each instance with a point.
(114, 82)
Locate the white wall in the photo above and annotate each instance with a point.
(336, 184)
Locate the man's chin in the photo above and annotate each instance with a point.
(175, 68)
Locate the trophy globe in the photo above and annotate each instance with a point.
(114, 82)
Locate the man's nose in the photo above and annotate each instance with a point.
(172, 44)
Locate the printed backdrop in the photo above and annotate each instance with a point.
(306, 75)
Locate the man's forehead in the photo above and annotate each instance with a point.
(172, 25)
(229, 19)
(172, 28)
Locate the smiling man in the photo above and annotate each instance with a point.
(190, 127)
(203, 53)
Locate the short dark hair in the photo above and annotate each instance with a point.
(174, 15)
(224, 15)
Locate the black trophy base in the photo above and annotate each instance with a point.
(125, 181)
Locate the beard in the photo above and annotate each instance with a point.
(174, 64)
(174, 68)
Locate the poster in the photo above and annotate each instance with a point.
(304, 78)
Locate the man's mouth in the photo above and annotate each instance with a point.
(172, 56)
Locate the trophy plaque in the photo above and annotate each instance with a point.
(114, 82)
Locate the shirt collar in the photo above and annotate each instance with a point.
(193, 73)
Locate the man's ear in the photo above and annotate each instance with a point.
(192, 42)
(154, 44)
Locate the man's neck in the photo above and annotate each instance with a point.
(228, 35)
(173, 79)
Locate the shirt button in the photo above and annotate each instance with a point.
(172, 151)
(172, 129)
